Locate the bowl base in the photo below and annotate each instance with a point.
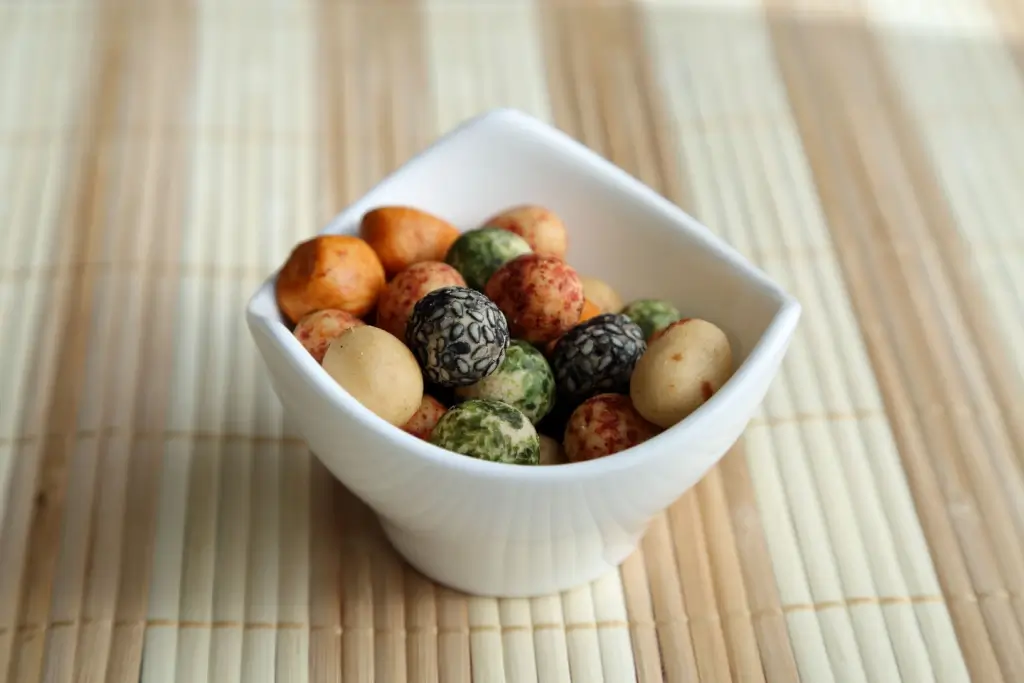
(502, 569)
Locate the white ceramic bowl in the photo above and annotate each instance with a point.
(504, 530)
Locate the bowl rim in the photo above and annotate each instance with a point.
(774, 339)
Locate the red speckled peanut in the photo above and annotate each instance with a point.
(589, 311)
(603, 425)
(541, 296)
(408, 287)
(541, 228)
(318, 329)
(423, 421)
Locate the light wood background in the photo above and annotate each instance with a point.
(159, 519)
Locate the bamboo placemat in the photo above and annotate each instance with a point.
(161, 521)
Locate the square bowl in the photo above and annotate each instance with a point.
(503, 530)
